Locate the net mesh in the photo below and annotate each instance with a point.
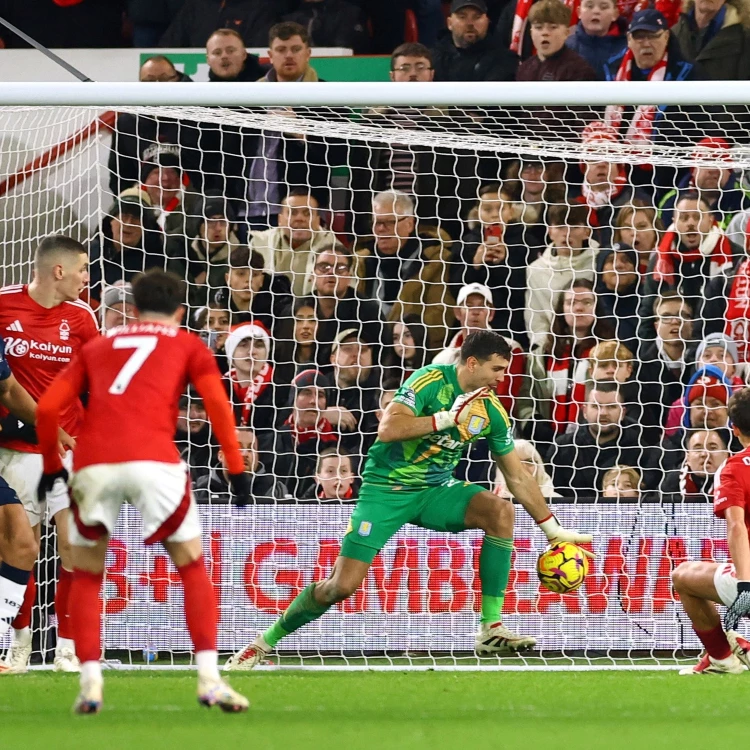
(367, 243)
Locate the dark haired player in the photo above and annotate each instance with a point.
(701, 585)
(408, 478)
(138, 369)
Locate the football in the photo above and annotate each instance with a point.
(562, 567)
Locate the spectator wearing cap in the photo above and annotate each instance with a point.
(228, 60)
(571, 254)
(117, 306)
(691, 252)
(599, 37)
(193, 436)
(337, 305)
(290, 247)
(249, 381)
(405, 267)
(198, 19)
(466, 51)
(333, 23)
(654, 55)
(496, 254)
(558, 368)
(250, 293)
(129, 242)
(137, 136)
(664, 369)
(175, 201)
(705, 399)
(203, 260)
(719, 351)
(705, 451)
(553, 61)
(407, 349)
(353, 399)
(619, 287)
(714, 34)
(213, 488)
(304, 434)
(718, 184)
(335, 478)
(605, 187)
(605, 437)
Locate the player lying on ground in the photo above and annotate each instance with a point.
(700, 584)
(138, 369)
(44, 325)
(408, 478)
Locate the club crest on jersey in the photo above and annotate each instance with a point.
(476, 425)
(64, 331)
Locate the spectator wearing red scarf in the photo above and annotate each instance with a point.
(304, 434)
(692, 251)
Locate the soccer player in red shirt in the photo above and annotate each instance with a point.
(700, 584)
(44, 325)
(138, 369)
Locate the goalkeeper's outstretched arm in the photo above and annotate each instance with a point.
(525, 489)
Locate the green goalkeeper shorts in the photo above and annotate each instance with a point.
(381, 511)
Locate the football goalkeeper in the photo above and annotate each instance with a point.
(408, 478)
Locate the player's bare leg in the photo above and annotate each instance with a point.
(310, 604)
(16, 661)
(18, 553)
(201, 618)
(726, 653)
(495, 516)
(65, 653)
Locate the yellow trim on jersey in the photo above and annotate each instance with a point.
(425, 380)
(495, 401)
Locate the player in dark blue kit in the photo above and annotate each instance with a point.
(18, 548)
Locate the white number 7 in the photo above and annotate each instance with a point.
(143, 346)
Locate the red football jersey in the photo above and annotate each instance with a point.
(135, 375)
(39, 343)
(732, 485)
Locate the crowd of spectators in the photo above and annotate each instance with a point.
(623, 289)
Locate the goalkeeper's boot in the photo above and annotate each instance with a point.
(740, 647)
(17, 659)
(66, 661)
(707, 665)
(89, 700)
(216, 692)
(249, 657)
(496, 639)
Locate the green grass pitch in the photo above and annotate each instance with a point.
(384, 710)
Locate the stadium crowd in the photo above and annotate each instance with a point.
(623, 288)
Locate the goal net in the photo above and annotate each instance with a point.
(331, 251)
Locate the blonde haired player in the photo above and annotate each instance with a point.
(408, 478)
(44, 325)
(136, 369)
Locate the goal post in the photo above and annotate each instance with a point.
(490, 181)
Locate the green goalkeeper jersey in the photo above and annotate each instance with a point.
(432, 459)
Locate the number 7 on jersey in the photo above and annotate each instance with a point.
(143, 346)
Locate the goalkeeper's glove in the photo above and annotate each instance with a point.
(47, 482)
(463, 409)
(740, 606)
(556, 533)
(240, 485)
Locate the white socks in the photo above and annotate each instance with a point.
(208, 664)
(91, 671)
(11, 599)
